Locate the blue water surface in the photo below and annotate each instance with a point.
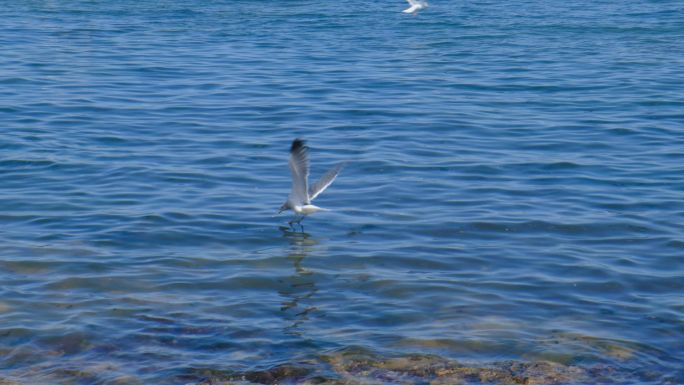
(514, 187)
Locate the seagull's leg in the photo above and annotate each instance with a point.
(294, 220)
(300, 222)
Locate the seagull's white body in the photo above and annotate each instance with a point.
(307, 209)
(301, 194)
(415, 6)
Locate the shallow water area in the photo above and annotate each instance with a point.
(512, 207)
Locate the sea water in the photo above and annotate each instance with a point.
(514, 187)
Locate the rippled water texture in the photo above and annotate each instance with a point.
(514, 191)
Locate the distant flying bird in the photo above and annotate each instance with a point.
(301, 194)
(415, 6)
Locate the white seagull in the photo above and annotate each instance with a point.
(415, 6)
(301, 195)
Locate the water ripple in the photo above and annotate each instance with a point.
(513, 190)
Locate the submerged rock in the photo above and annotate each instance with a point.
(417, 369)
(278, 375)
(359, 367)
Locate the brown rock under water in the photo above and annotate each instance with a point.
(362, 368)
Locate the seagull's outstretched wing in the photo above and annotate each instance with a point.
(299, 167)
(411, 9)
(416, 5)
(325, 181)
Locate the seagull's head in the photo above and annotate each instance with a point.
(284, 207)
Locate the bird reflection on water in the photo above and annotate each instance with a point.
(301, 285)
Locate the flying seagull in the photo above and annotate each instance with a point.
(415, 6)
(301, 194)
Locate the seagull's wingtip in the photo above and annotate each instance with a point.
(297, 144)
